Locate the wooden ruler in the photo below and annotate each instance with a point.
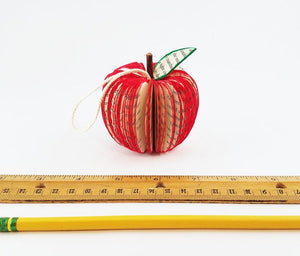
(120, 188)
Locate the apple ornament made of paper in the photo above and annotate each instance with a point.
(153, 110)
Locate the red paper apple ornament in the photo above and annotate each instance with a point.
(154, 111)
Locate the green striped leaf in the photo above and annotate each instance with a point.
(170, 61)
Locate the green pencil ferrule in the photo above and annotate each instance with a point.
(8, 224)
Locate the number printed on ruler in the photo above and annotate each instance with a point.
(111, 188)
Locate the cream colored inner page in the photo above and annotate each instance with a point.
(177, 111)
(168, 119)
(171, 111)
(140, 116)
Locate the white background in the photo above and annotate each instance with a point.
(247, 69)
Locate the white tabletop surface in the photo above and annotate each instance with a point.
(247, 70)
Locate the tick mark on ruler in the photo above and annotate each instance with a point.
(160, 185)
(41, 185)
(280, 185)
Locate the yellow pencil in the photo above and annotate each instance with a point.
(149, 222)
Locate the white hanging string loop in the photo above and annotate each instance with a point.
(109, 81)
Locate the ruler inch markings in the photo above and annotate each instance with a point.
(149, 188)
